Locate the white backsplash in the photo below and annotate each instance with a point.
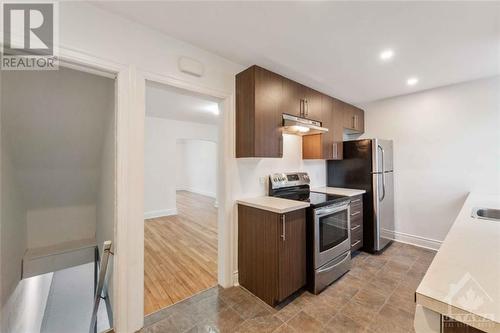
(248, 181)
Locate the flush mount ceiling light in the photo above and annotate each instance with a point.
(412, 81)
(386, 55)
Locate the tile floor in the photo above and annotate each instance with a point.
(377, 295)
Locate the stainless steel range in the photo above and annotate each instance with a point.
(328, 228)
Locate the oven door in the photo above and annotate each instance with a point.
(332, 236)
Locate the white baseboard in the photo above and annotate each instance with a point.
(419, 241)
(160, 213)
(202, 192)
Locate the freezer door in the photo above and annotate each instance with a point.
(383, 200)
(382, 151)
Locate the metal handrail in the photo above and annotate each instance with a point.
(100, 284)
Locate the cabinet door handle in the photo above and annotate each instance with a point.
(355, 243)
(353, 122)
(283, 220)
(307, 107)
(354, 201)
(355, 213)
(356, 227)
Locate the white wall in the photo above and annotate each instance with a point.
(53, 225)
(12, 239)
(197, 166)
(251, 171)
(56, 120)
(180, 172)
(446, 144)
(160, 167)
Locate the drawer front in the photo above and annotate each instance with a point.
(356, 218)
(357, 204)
(356, 228)
(356, 237)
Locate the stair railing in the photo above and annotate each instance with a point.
(100, 284)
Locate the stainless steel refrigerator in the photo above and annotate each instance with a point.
(368, 165)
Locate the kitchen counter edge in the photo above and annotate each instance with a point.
(462, 257)
(273, 204)
(338, 190)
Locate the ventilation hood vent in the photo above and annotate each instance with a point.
(301, 126)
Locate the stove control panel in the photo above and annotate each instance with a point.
(281, 180)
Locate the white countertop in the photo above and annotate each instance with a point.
(339, 191)
(464, 276)
(273, 204)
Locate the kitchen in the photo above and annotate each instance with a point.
(357, 153)
(300, 237)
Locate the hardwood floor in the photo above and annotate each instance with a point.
(180, 252)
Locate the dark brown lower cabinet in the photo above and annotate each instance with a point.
(271, 252)
(356, 223)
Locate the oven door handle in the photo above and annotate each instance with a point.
(320, 212)
(335, 263)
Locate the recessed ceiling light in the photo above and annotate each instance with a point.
(386, 55)
(412, 81)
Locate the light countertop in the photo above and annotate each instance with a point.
(463, 281)
(273, 204)
(339, 191)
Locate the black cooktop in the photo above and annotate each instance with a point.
(320, 199)
(315, 198)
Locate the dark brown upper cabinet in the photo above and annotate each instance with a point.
(261, 99)
(313, 104)
(354, 119)
(259, 106)
(293, 98)
(301, 101)
(327, 146)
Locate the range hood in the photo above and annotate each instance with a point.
(301, 126)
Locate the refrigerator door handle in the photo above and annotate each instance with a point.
(383, 172)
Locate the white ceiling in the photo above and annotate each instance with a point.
(334, 46)
(177, 104)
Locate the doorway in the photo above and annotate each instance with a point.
(180, 198)
(58, 171)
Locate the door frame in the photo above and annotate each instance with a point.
(126, 316)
